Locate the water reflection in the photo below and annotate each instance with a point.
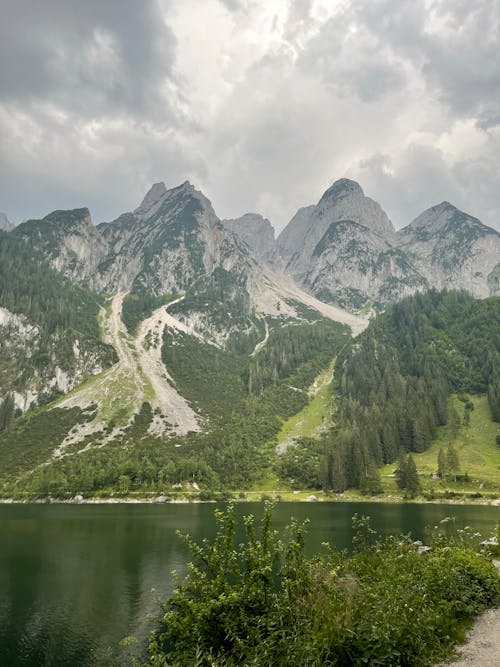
(74, 580)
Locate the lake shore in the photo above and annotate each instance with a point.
(251, 497)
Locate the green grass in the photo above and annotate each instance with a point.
(315, 416)
(475, 444)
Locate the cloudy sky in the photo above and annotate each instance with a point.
(261, 104)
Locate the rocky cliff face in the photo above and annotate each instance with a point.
(344, 200)
(36, 367)
(345, 250)
(257, 232)
(171, 240)
(69, 240)
(352, 266)
(453, 250)
(5, 223)
(342, 250)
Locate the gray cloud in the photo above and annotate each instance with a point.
(89, 57)
(420, 177)
(260, 104)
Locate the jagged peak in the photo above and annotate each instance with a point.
(443, 207)
(342, 188)
(155, 193)
(5, 223)
(69, 215)
(444, 216)
(249, 218)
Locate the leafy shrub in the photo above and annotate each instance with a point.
(261, 602)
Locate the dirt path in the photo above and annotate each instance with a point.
(482, 648)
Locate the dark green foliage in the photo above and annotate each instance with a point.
(303, 464)
(297, 353)
(30, 440)
(208, 376)
(237, 444)
(261, 602)
(7, 410)
(28, 286)
(395, 381)
(494, 387)
(452, 461)
(222, 297)
(407, 475)
(58, 314)
(137, 307)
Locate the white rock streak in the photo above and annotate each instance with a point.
(168, 405)
(138, 376)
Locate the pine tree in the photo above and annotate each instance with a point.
(442, 463)
(452, 461)
(412, 481)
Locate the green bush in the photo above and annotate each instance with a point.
(261, 602)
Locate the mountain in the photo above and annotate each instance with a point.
(257, 232)
(344, 250)
(5, 224)
(49, 333)
(344, 200)
(453, 250)
(341, 250)
(177, 344)
(172, 249)
(68, 240)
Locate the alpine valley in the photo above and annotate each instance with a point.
(170, 352)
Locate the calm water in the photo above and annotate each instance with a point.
(74, 580)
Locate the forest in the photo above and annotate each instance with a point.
(394, 382)
(391, 391)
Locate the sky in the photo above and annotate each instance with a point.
(261, 104)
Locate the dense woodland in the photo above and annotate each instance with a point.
(391, 389)
(28, 286)
(235, 449)
(55, 313)
(394, 382)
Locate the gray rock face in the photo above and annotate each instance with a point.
(352, 265)
(149, 204)
(5, 223)
(345, 250)
(70, 241)
(453, 250)
(257, 232)
(21, 341)
(344, 200)
(341, 250)
(171, 240)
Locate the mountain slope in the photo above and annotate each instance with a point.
(344, 200)
(341, 250)
(453, 250)
(50, 338)
(257, 232)
(5, 224)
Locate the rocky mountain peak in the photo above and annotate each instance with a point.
(256, 231)
(151, 200)
(442, 218)
(341, 188)
(5, 223)
(345, 200)
(70, 220)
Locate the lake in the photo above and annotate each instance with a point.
(76, 579)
